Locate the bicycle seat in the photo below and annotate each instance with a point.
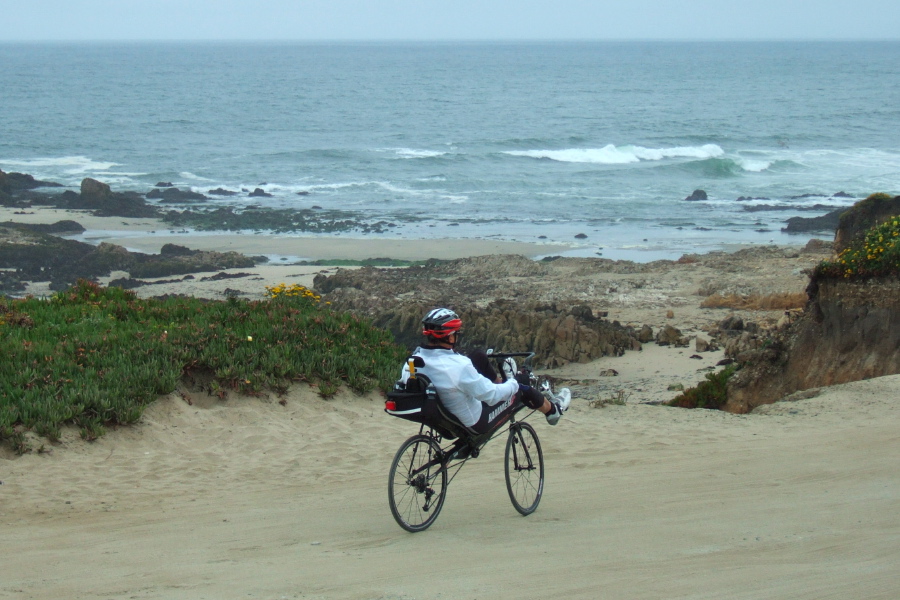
(417, 400)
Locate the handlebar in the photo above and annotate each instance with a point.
(502, 355)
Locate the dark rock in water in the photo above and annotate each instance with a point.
(303, 193)
(805, 196)
(224, 275)
(827, 222)
(697, 195)
(783, 207)
(163, 184)
(97, 197)
(260, 193)
(10, 183)
(581, 236)
(842, 195)
(94, 192)
(222, 192)
(126, 283)
(174, 195)
(865, 214)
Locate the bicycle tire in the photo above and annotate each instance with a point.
(524, 465)
(416, 490)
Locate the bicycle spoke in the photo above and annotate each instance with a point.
(524, 468)
(417, 484)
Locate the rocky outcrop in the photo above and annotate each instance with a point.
(37, 256)
(12, 186)
(669, 335)
(64, 227)
(175, 195)
(558, 332)
(11, 183)
(97, 197)
(827, 222)
(221, 192)
(697, 195)
(865, 214)
(849, 331)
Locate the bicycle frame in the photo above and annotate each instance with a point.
(475, 444)
(426, 463)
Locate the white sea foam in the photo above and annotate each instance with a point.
(189, 175)
(753, 166)
(413, 153)
(67, 164)
(612, 155)
(329, 187)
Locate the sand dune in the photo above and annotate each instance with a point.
(249, 498)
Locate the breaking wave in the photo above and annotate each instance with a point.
(613, 155)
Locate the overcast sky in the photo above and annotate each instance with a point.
(448, 19)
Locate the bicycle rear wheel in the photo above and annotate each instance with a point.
(524, 468)
(417, 483)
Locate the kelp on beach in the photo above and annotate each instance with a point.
(94, 357)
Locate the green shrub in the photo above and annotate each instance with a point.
(876, 254)
(95, 357)
(711, 393)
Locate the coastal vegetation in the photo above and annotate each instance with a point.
(95, 357)
(712, 392)
(875, 254)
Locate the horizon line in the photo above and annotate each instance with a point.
(448, 40)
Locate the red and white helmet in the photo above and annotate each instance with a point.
(441, 322)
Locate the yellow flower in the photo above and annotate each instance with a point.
(249, 338)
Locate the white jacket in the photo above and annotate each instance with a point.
(461, 388)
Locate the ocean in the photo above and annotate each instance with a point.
(592, 143)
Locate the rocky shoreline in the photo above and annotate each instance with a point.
(747, 306)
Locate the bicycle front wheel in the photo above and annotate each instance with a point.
(417, 483)
(524, 468)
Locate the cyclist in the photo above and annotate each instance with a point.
(472, 395)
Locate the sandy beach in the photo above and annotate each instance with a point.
(252, 498)
(249, 498)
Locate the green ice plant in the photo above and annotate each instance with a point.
(94, 357)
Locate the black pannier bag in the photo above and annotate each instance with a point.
(417, 401)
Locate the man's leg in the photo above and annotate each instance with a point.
(483, 365)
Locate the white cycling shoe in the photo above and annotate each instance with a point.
(560, 405)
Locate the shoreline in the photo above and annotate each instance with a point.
(148, 235)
